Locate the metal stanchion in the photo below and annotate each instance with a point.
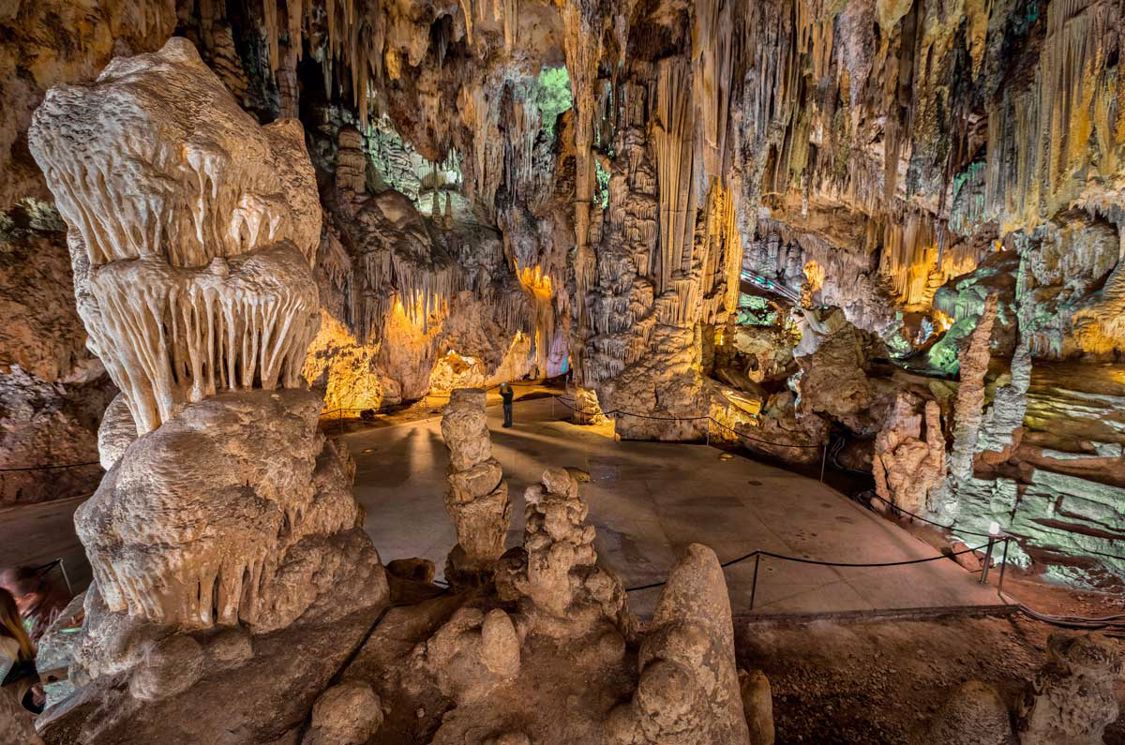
(823, 459)
(65, 576)
(754, 583)
(1003, 565)
(993, 531)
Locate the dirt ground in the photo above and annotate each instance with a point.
(880, 682)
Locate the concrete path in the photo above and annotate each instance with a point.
(649, 499)
(34, 534)
(646, 499)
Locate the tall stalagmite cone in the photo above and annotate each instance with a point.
(477, 500)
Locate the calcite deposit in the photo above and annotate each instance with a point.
(225, 516)
(876, 235)
(192, 230)
(477, 500)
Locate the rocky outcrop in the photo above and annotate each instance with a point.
(477, 500)
(909, 463)
(1071, 700)
(689, 688)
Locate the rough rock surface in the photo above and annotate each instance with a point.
(909, 463)
(1071, 700)
(974, 713)
(52, 389)
(346, 714)
(252, 510)
(477, 500)
(555, 576)
(689, 688)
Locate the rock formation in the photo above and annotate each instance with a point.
(228, 521)
(689, 688)
(555, 577)
(200, 281)
(550, 654)
(1071, 700)
(909, 464)
(477, 500)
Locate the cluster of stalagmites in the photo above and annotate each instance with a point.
(542, 648)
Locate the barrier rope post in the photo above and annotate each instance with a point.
(66, 577)
(987, 560)
(754, 582)
(823, 458)
(1003, 566)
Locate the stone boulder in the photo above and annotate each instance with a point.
(689, 689)
(1072, 698)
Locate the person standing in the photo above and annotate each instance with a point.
(507, 394)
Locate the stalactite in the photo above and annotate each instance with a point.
(673, 139)
(1039, 139)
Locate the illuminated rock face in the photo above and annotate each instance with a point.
(192, 231)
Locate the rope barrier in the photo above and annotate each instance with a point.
(817, 562)
(54, 467)
(836, 448)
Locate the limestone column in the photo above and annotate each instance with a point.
(477, 500)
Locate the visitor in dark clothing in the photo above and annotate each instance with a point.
(507, 394)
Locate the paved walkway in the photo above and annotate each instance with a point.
(648, 499)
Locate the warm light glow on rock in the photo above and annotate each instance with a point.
(536, 282)
(346, 368)
(942, 321)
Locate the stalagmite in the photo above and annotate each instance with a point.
(968, 411)
(555, 577)
(477, 500)
(689, 682)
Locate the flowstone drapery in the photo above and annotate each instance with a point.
(225, 521)
(192, 230)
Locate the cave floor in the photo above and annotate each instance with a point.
(649, 499)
